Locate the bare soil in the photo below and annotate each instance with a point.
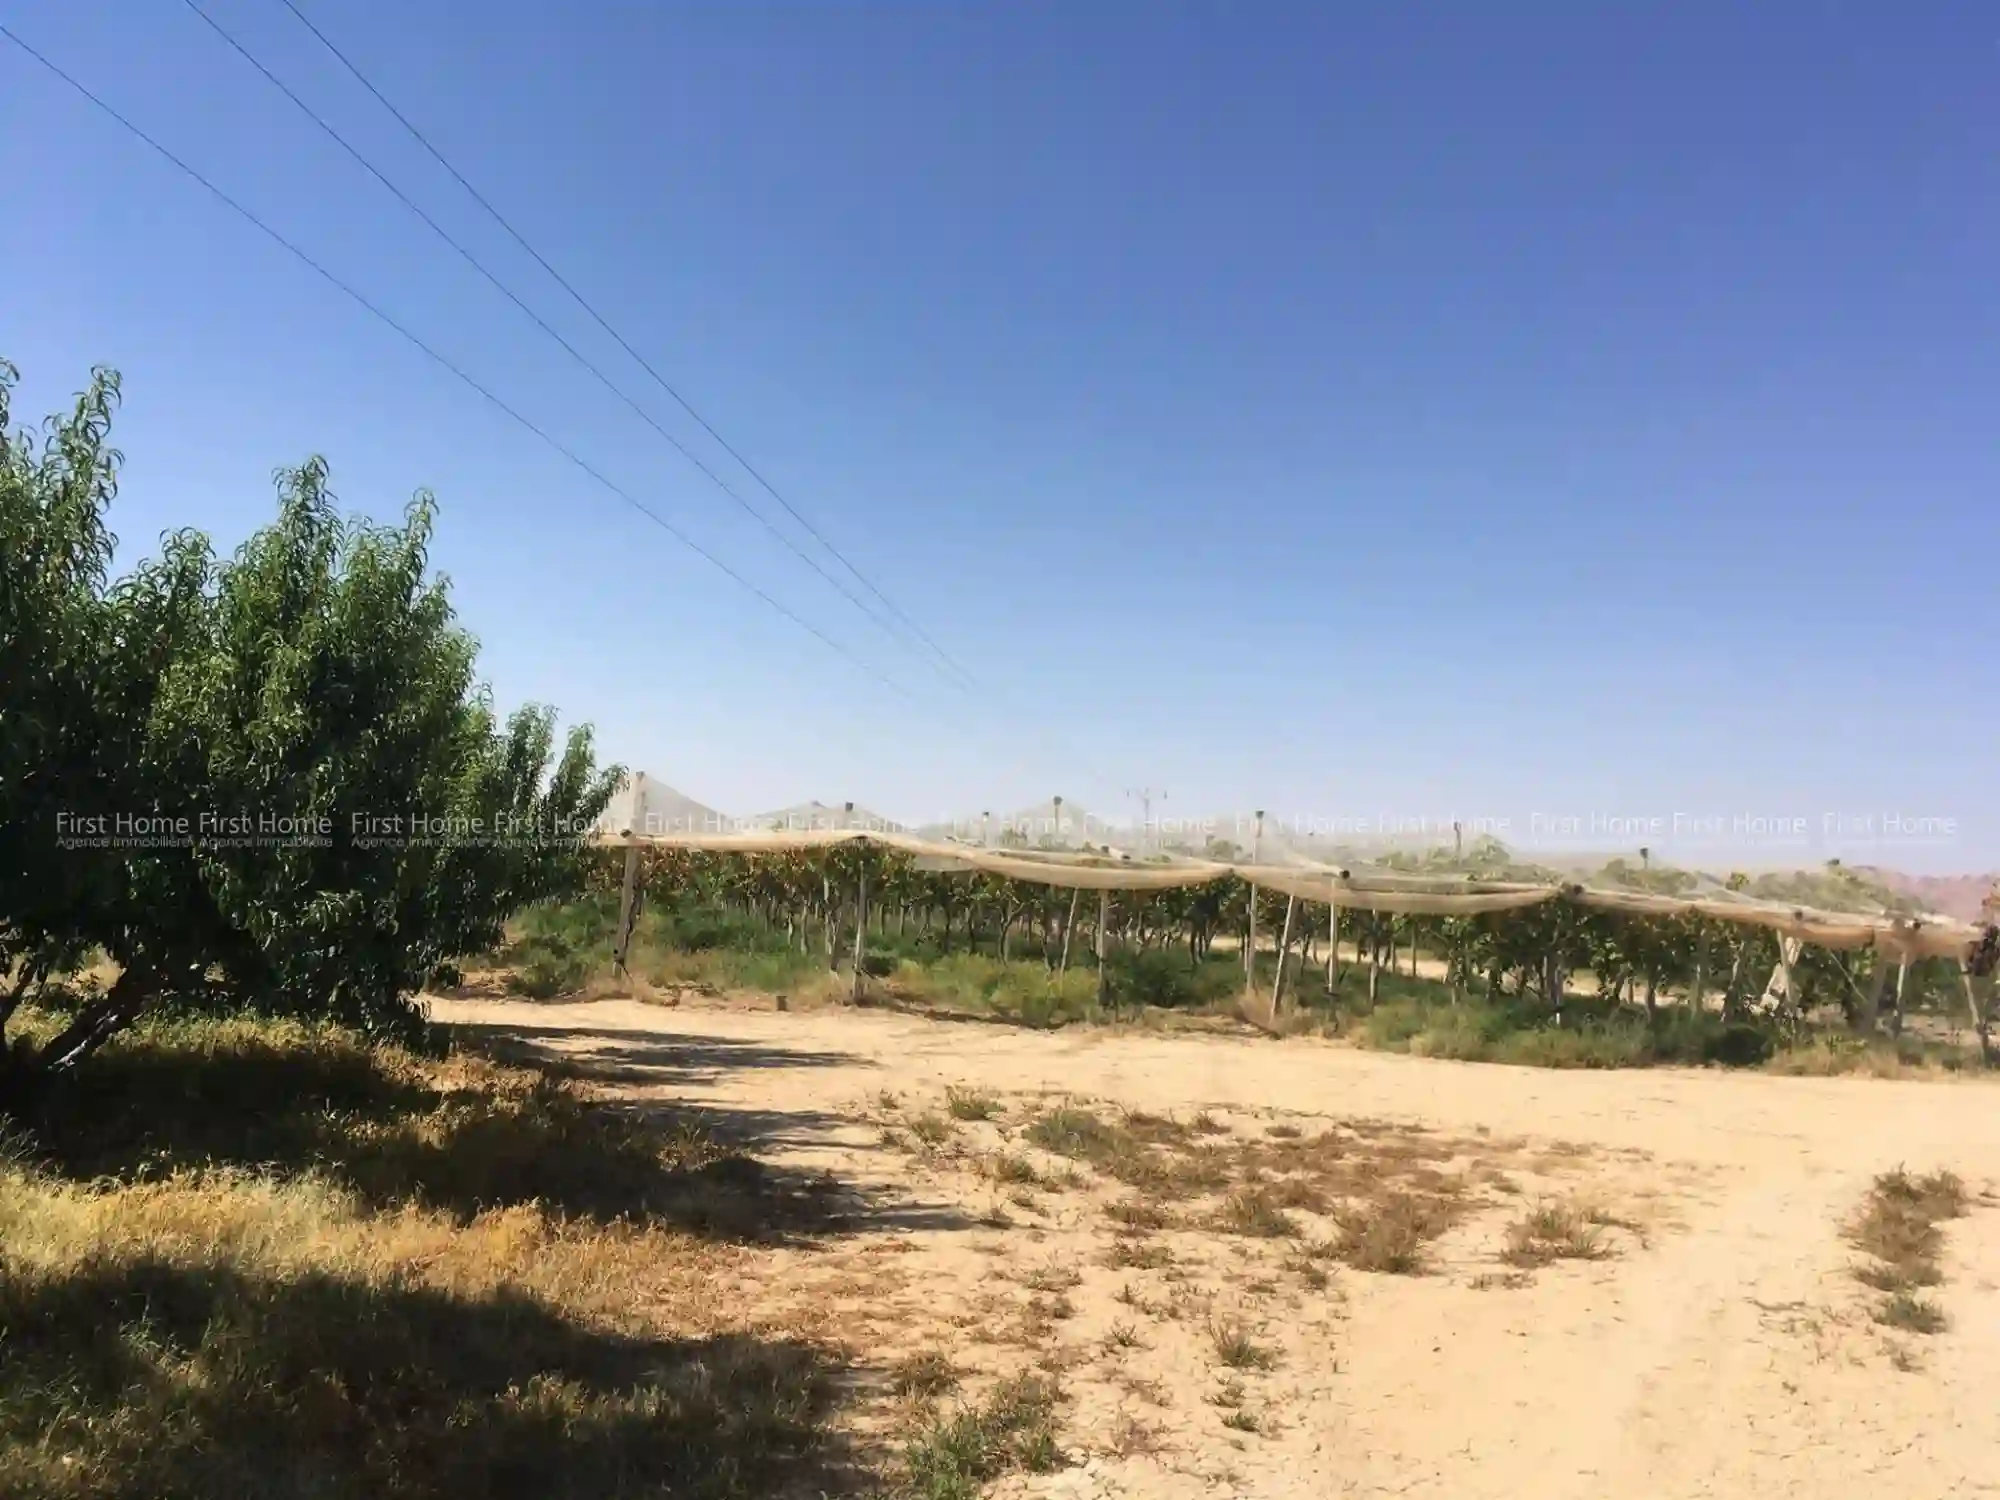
(1289, 1268)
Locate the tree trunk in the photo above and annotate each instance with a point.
(1069, 926)
(103, 1018)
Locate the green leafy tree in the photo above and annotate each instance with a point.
(332, 809)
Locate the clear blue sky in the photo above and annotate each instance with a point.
(1526, 411)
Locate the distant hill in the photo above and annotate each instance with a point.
(1948, 895)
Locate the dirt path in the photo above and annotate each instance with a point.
(1723, 1349)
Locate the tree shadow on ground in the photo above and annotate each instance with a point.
(150, 1379)
(459, 1136)
(666, 1058)
(676, 1063)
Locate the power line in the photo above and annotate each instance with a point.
(598, 318)
(470, 259)
(658, 520)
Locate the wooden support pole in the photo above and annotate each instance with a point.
(1979, 1022)
(1103, 925)
(1698, 991)
(1332, 946)
(628, 907)
(860, 925)
(1250, 938)
(1250, 944)
(1284, 949)
(1789, 950)
(1870, 1010)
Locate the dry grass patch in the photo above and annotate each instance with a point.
(1135, 1439)
(931, 1130)
(1550, 1232)
(971, 1104)
(1129, 1252)
(1138, 1214)
(1255, 1212)
(1898, 1229)
(272, 1259)
(230, 1335)
(1390, 1235)
(1236, 1347)
(1123, 1335)
(1145, 1387)
(923, 1376)
(458, 1134)
(1911, 1313)
(1052, 1278)
(1013, 1170)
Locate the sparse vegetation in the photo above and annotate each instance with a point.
(1898, 1229)
(1128, 1252)
(1390, 1235)
(1911, 1312)
(1253, 1212)
(1123, 1335)
(1555, 1231)
(1138, 1214)
(1013, 1428)
(1013, 1169)
(923, 1376)
(971, 1104)
(1235, 1346)
(1052, 1278)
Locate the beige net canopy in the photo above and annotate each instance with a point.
(1357, 886)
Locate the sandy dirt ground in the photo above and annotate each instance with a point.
(1719, 1345)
